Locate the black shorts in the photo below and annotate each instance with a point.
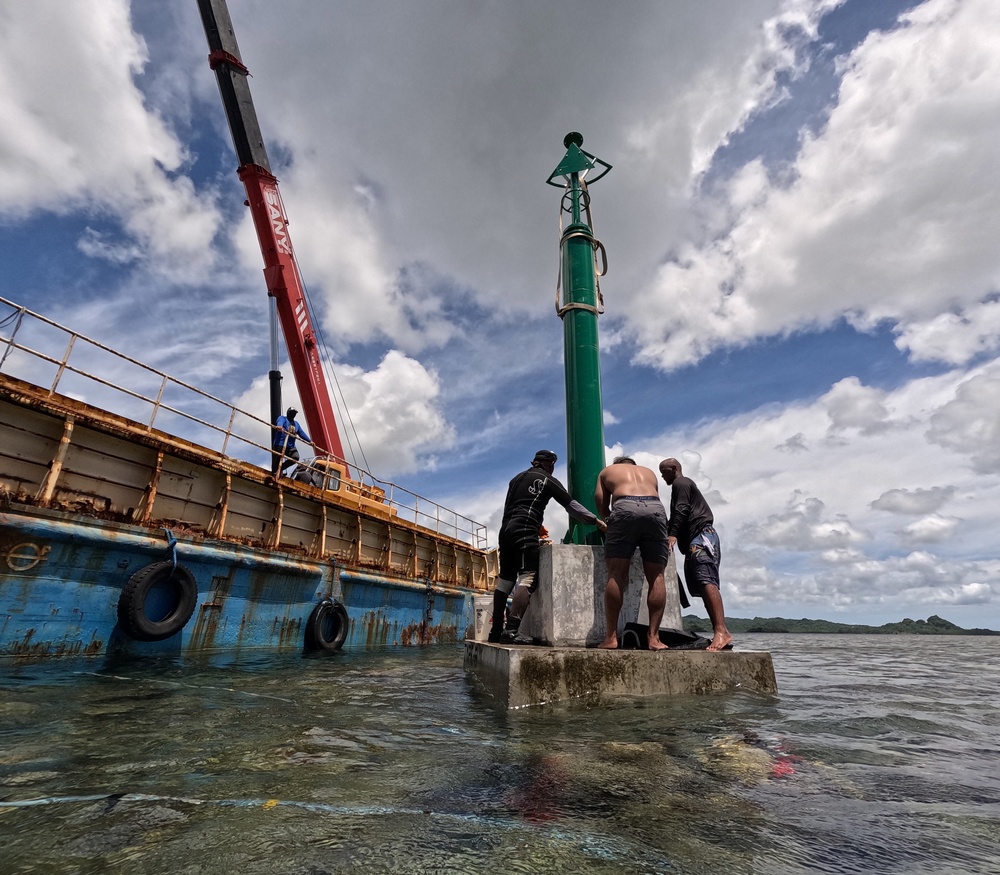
(519, 548)
(291, 455)
(637, 521)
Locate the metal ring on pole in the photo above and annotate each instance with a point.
(560, 311)
(597, 246)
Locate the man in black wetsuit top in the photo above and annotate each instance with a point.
(691, 528)
(523, 511)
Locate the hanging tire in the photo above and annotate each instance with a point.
(157, 602)
(327, 626)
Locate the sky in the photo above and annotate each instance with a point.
(802, 301)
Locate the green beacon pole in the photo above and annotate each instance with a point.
(578, 304)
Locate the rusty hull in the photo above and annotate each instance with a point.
(87, 498)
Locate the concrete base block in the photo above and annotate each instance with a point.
(567, 610)
(517, 676)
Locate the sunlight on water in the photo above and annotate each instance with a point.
(879, 756)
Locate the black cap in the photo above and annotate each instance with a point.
(291, 411)
(545, 457)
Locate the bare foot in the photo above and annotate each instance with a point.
(609, 643)
(721, 641)
(657, 644)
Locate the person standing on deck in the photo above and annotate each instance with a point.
(691, 529)
(286, 431)
(628, 497)
(519, 542)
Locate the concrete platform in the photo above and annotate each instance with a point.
(566, 617)
(518, 676)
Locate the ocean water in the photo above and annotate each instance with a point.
(880, 755)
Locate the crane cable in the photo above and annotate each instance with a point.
(343, 411)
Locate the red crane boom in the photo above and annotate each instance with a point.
(281, 271)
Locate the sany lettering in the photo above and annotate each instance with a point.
(278, 223)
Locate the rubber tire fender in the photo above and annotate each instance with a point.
(327, 626)
(132, 617)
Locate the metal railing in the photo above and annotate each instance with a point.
(42, 352)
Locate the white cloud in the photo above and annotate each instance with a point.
(802, 525)
(724, 94)
(396, 415)
(970, 422)
(99, 245)
(908, 578)
(342, 252)
(371, 168)
(853, 406)
(811, 527)
(841, 556)
(83, 139)
(795, 444)
(889, 214)
(954, 337)
(913, 501)
(971, 594)
(911, 584)
(929, 530)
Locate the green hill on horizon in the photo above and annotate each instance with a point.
(933, 625)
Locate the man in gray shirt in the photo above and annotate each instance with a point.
(692, 529)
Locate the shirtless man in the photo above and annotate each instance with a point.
(627, 497)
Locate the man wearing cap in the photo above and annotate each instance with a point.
(286, 430)
(523, 510)
(628, 497)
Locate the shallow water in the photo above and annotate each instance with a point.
(879, 755)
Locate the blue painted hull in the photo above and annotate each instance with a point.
(62, 577)
(139, 521)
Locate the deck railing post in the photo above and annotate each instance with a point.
(10, 343)
(158, 401)
(229, 431)
(62, 364)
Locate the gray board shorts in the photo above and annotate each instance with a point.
(637, 521)
(701, 564)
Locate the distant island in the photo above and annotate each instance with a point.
(933, 625)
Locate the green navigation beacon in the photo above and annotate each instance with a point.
(578, 304)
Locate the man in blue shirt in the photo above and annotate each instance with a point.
(286, 430)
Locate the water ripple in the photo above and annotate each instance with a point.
(879, 756)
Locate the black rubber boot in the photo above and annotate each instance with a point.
(510, 630)
(499, 610)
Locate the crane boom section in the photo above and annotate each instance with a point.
(281, 272)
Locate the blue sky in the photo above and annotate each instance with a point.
(801, 224)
